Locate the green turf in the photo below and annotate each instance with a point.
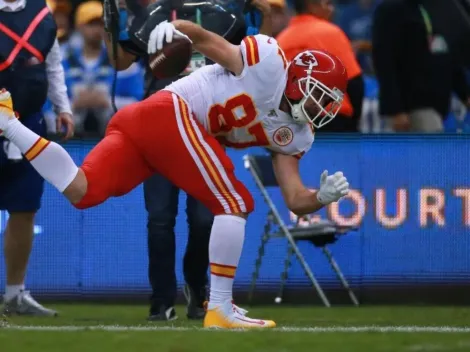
(259, 341)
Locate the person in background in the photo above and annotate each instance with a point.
(258, 19)
(371, 121)
(30, 74)
(280, 14)
(61, 10)
(89, 74)
(161, 204)
(66, 34)
(311, 28)
(419, 62)
(356, 22)
(161, 200)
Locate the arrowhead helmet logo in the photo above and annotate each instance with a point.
(306, 58)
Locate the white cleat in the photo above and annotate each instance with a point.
(229, 316)
(25, 304)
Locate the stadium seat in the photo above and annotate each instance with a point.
(320, 234)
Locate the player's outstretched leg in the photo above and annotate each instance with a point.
(49, 159)
(113, 168)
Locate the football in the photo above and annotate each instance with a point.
(172, 59)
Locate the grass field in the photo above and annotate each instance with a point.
(116, 328)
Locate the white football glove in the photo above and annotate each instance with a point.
(332, 188)
(164, 30)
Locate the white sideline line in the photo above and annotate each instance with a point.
(333, 329)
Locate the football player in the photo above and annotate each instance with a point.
(251, 97)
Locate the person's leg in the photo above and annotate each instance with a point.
(161, 203)
(21, 197)
(102, 118)
(18, 242)
(208, 176)
(196, 259)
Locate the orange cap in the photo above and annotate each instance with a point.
(88, 11)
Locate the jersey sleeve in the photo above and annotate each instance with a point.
(263, 58)
(295, 140)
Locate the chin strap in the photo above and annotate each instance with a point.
(296, 111)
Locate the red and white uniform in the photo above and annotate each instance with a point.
(243, 111)
(178, 132)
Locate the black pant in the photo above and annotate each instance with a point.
(161, 202)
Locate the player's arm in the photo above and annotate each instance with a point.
(264, 9)
(299, 199)
(207, 43)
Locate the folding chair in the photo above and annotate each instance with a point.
(320, 234)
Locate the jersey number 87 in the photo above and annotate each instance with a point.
(223, 120)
